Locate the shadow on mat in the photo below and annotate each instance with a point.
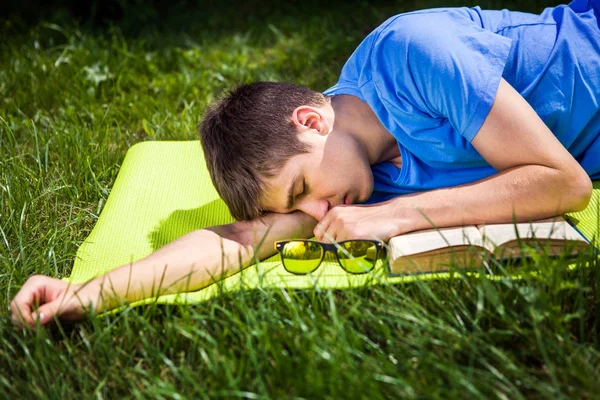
(181, 222)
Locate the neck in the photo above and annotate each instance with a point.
(355, 119)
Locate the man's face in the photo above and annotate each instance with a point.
(332, 173)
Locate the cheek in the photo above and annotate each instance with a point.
(339, 174)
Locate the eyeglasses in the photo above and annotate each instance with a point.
(304, 256)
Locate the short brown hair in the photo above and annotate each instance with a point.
(247, 136)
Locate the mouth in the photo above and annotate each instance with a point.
(347, 200)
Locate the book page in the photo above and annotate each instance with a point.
(433, 239)
(497, 235)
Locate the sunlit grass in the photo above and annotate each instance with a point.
(74, 98)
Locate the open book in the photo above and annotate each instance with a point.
(433, 250)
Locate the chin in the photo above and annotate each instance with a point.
(367, 189)
(367, 197)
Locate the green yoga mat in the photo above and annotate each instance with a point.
(163, 191)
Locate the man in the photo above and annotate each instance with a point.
(445, 116)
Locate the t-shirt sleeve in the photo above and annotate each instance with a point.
(352, 71)
(442, 64)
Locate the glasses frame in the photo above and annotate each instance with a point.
(332, 247)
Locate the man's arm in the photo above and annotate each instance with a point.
(189, 263)
(537, 178)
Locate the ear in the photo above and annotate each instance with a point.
(307, 117)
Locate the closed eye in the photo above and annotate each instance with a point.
(304, 188)
(302, 191)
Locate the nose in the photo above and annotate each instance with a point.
(315, 208)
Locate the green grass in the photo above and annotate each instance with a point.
(74, 97)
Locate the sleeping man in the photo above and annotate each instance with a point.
(446, 116)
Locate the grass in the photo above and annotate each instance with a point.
(76, 95)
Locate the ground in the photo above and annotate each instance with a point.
(76, 93)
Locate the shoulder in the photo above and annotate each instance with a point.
(417, 31)
(424, 30)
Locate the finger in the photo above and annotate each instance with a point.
(323, 226)
(335, 231)
(46, 312)
(19, 320)
(331, 237)
(32, 293)
(21, 305)
(318, 231)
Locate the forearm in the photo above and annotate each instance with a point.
(523, 193)
(196, 260)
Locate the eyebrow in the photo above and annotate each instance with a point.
(290, 200)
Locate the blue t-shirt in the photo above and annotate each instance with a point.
(431, 78)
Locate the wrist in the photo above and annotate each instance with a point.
(99, 295)
(80, 296)
(405, 217)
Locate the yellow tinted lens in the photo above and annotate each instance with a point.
(301, 257)
(357, 256)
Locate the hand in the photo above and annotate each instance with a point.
(376, 221)
(53, 297)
